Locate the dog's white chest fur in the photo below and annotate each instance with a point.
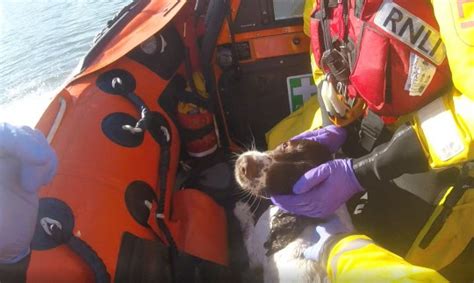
(286, 265)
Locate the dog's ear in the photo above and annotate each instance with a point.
(283, 175)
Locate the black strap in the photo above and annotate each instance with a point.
(83, 250)
(359, 5)
(215, 16)
(371, 129)
(323, 15)
(158, 127)
(325, 25)
(118, 86)
(189, 70)
(335, 61)
(345, 14)
(91, 258)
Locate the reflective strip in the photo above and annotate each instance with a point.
(411, 30)
(440, 130)
(352, 245)
(57, 120)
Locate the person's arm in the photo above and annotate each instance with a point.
(350, 257)
(356, 258)
(402, 154)
(456, 25)
(445, 126)
(27, 162)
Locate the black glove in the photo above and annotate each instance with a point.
(402, 154)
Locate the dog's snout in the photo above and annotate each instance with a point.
(250, 167)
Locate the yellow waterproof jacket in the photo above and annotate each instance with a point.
(446, 126)
(357, 258)
(446, 129)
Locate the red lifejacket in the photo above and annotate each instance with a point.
(398, 61)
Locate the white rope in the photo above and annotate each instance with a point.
(57, 120)
(132, 130)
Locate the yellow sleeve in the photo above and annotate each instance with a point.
(308, 8)
(357, 258)
(446, 126)
(456, 23)
(308, 117)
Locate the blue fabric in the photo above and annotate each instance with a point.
(27, 162)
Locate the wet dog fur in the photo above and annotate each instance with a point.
(274, 172)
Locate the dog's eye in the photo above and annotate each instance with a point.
(284, 145)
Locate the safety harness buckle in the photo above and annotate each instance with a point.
(335, 63)
(370, 130)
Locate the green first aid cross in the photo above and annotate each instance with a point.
(300, 89)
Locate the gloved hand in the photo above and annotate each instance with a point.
(331, 136)
(27, 162)
(333, 226)
(321, 190)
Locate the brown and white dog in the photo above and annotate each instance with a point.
(274, 172)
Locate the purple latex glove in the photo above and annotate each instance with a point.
(321, 190)
(26, 163)
(331, 136)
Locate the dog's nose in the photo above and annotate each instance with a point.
(250, 167)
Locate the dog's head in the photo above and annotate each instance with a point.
(274, 172)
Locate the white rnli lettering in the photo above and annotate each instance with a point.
(411, 30)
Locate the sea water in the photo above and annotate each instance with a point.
(41, 43)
